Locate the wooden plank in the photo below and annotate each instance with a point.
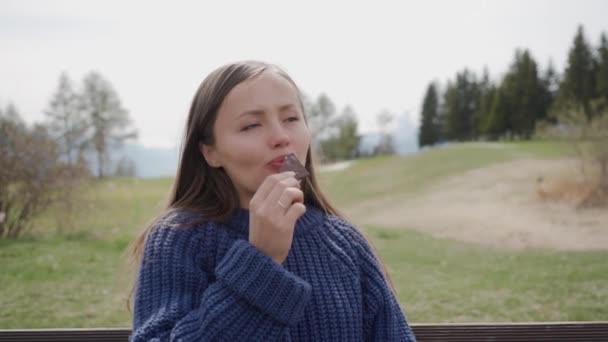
(66, 335)
(496, 332)
(566, 331)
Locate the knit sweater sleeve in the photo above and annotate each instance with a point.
(383, 318)
(248, 296)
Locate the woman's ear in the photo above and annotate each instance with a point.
(209, 154)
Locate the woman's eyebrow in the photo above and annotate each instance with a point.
(287, 107)
(255, 112)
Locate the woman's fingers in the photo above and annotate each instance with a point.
(268, 185)
(278, 189)
(289, 196)
(295, 211)
(275, 208)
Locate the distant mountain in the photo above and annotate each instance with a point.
(405, 138)
(368, 142)
(152, 162)
(149, 162)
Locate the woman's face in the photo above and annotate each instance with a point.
(259, 122)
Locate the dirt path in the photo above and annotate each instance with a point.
(497, 205)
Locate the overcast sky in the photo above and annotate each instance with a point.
(374, 55)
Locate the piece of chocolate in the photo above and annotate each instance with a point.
(291, 163)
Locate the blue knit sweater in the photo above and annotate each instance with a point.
(206, 282)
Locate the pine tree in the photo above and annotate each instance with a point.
(429, 130)
(550, 81)
(450, 108)
(523, 90)
(578, 85)
(485, 96)
(602, 68)
(460, 105)
(498, 123)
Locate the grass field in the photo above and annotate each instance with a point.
(76, 276)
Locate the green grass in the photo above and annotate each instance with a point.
(76, 276)
(113, 208)
(62, 283)
(440, 280)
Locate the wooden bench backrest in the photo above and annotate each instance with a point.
(496, 332)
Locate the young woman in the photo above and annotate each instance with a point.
(245, 252)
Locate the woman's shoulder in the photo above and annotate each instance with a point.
(355, 238)
(343, 239)
(182, 233)
(344, 229)
(188, 221)
(181, 223)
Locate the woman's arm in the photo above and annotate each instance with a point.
(252, 297)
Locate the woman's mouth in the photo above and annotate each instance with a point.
(276, 163)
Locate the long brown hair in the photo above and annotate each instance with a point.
(206, 190)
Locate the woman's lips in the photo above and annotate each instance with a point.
(276, 163)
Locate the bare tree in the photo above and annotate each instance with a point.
(125, 167)
(110, 122)
(385, 146)
(344, 144)
(67, 123)
(321, 118)
(30, 175)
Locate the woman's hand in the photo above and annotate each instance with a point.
(273, 212)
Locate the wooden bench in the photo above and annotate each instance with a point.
(472, 332)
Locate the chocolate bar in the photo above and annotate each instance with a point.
(291, 163)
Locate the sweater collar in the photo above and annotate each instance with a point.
(313, 217)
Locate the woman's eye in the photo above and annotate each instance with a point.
(249, 127)
(293, 118)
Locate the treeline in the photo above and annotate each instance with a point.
(472, 107)
(44, 163)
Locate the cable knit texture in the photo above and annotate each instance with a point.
(205, 282)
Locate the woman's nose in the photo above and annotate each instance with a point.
(279, 136)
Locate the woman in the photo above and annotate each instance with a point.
(245, 252)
